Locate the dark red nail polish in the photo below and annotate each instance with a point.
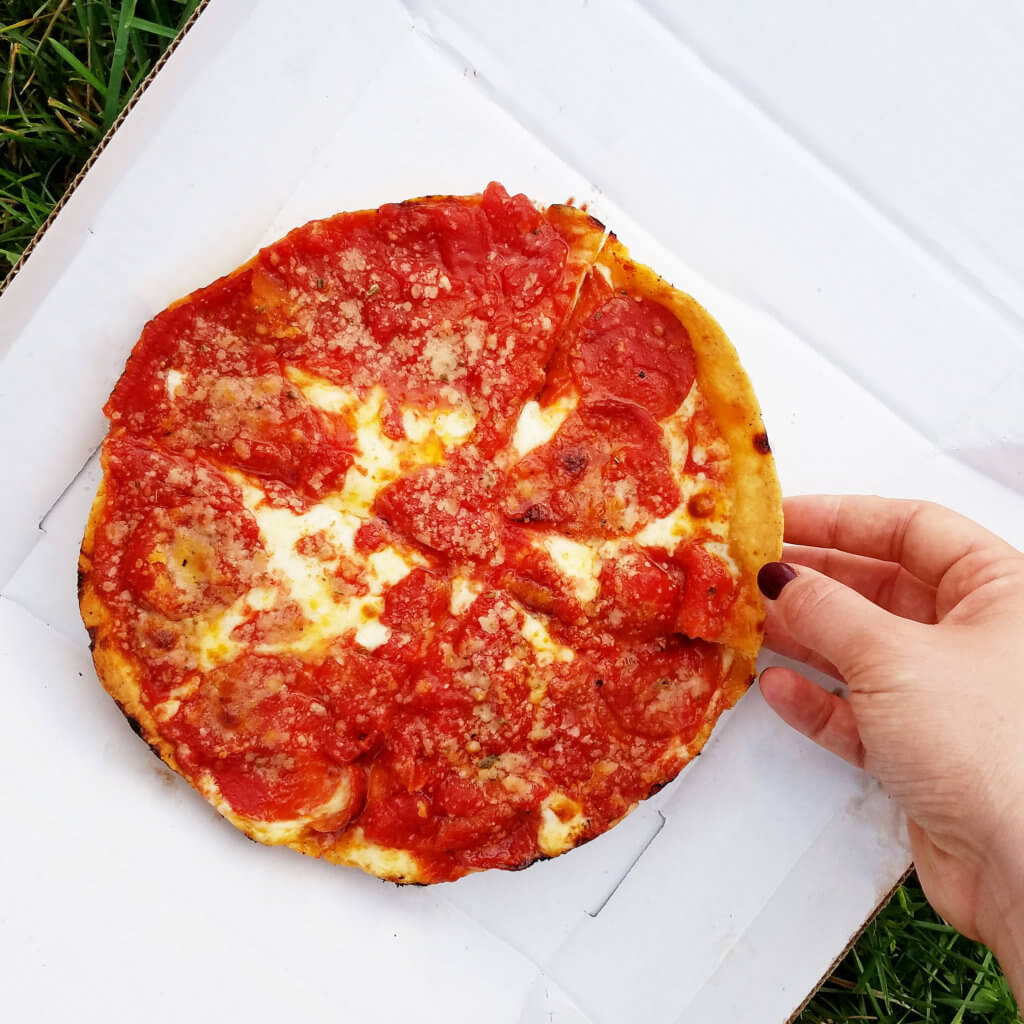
(773, 577)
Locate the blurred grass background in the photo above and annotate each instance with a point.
(69, 67)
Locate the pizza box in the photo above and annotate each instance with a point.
(824, 206)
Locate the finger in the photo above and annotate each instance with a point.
(778, 639)
(886, 584)
(828, 618)
(819, 715)
(924, 538)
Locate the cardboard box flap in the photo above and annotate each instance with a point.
(908, 135)
(626, 100)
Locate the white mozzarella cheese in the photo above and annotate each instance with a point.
(537, 425)
(578, 561)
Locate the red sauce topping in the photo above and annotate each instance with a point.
(446, 737)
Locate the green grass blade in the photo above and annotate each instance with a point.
(113, 101)
(71, 59)
(190, 8)
(151, 26)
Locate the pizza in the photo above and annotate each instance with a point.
(427, 539)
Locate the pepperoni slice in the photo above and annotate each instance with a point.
(661, 688)
(605, 472)
(445, 508)
(706, 588)
(637, 596)
(360, 691)
(638, 351)
(261, 726)
(204, 378)
(176, 542)
(274, 787)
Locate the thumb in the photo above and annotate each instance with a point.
(826, 617)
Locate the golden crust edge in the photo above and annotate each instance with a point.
(755, 520)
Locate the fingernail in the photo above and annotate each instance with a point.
(773, 577)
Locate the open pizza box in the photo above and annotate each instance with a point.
(824, 181)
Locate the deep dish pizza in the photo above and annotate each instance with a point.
(427, 539)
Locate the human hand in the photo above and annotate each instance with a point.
(921, 612)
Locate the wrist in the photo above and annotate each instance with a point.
(1000, 918)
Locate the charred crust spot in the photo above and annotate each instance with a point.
(81, 581)
(599, 683)
(701, 505)
(656, 788)
(134, 723)
(574, 462)
(136, 728)
(761, 443)
(530, 863)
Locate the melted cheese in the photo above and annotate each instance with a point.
(309, 582)
(382, 861)
(464, 592)
(721, 551)
(546, 649)
(372, 635)
(381, 459)
(322, 393)
(451, 426)
(561, 822)
(173, 381)
(668, 531)
(536, 425)
(579, 562)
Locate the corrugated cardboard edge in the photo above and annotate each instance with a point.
(849, 945)
(44, 227)
(102, 145)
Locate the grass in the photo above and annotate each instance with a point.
(910, 966)
(69, 67)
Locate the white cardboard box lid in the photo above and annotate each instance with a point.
(727, 896)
